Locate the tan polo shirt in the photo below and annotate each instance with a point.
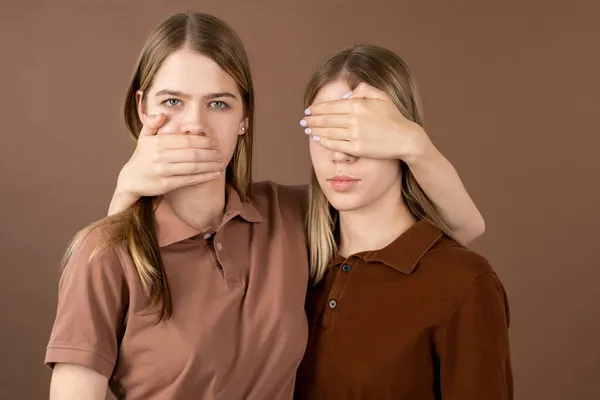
(238, 329)
(423, 318)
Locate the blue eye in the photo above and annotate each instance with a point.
(172, 102)
(219, 104)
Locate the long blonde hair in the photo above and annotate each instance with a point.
(384, 70)
(135, 227)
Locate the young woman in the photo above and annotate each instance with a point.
(400, 310)
(197, 289)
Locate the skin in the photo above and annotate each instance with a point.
(189, 137)
(366, 123)
(362, 189)
(198, 99)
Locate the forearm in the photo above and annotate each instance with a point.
(440, 182)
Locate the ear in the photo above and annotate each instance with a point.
(243, 127)
(139, 97)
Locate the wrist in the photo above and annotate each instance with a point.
(423, 151)
(121, 200)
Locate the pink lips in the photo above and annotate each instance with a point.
(342, 183)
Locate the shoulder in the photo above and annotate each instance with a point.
(95, 251)
(453, 256)
(286, 197)
(459, 271)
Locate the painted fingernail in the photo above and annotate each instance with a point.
(303, 122)
(308, 131)
(346, 95)
(307, 111)
(316, 138)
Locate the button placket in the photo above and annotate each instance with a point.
(335, 294)
(231, 271)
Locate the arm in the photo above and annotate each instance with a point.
(92, 300)
(441, 183)
(473, 347)
(74, 382)
(121, 200)
(373, 127)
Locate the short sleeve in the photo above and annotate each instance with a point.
(473, 348)
(92, 300)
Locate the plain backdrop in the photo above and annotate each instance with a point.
(510, 91)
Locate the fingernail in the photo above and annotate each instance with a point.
(307, 111)
(303, 122)
(217, 173)
(346, 95)
(316, 138)
(308, 131)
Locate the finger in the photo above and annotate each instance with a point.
(342, 146)
(326, 121)
(178, 169)
(330, 133)
(329, 107)
(177, 182)
(190, 155)
(183, 141)
(152, 124)
(366, 91)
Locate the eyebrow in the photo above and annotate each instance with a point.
(176, 93)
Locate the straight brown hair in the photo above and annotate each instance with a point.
(386, 71)
(135, 227)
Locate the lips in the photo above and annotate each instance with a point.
(343, 178)
(342, 183)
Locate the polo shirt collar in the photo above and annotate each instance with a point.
(405, 252)
(172, 229)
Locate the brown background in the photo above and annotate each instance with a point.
(510, 90)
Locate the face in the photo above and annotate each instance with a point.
(198, 98)
(351, 183)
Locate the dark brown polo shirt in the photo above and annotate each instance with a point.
(239, 327)
(423, 318)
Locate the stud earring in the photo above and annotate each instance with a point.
(243, 129)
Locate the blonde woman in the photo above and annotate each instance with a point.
(195, 286)
(399, 309)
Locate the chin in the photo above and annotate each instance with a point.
(344, 202)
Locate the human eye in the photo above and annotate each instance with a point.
(171, 103)
(219, 105)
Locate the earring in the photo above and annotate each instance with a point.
(243, 129)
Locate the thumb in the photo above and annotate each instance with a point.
(365, 91)
(152, 124)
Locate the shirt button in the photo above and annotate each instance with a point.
(219, 246)
(207, 236)
(332, 304)
(346, 268)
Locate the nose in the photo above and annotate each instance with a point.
(340, 157)
(193, 122)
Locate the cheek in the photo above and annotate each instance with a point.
(383, 173)
(226, 128)
(319, 156)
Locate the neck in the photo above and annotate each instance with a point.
(375, 226)
(201, 206)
